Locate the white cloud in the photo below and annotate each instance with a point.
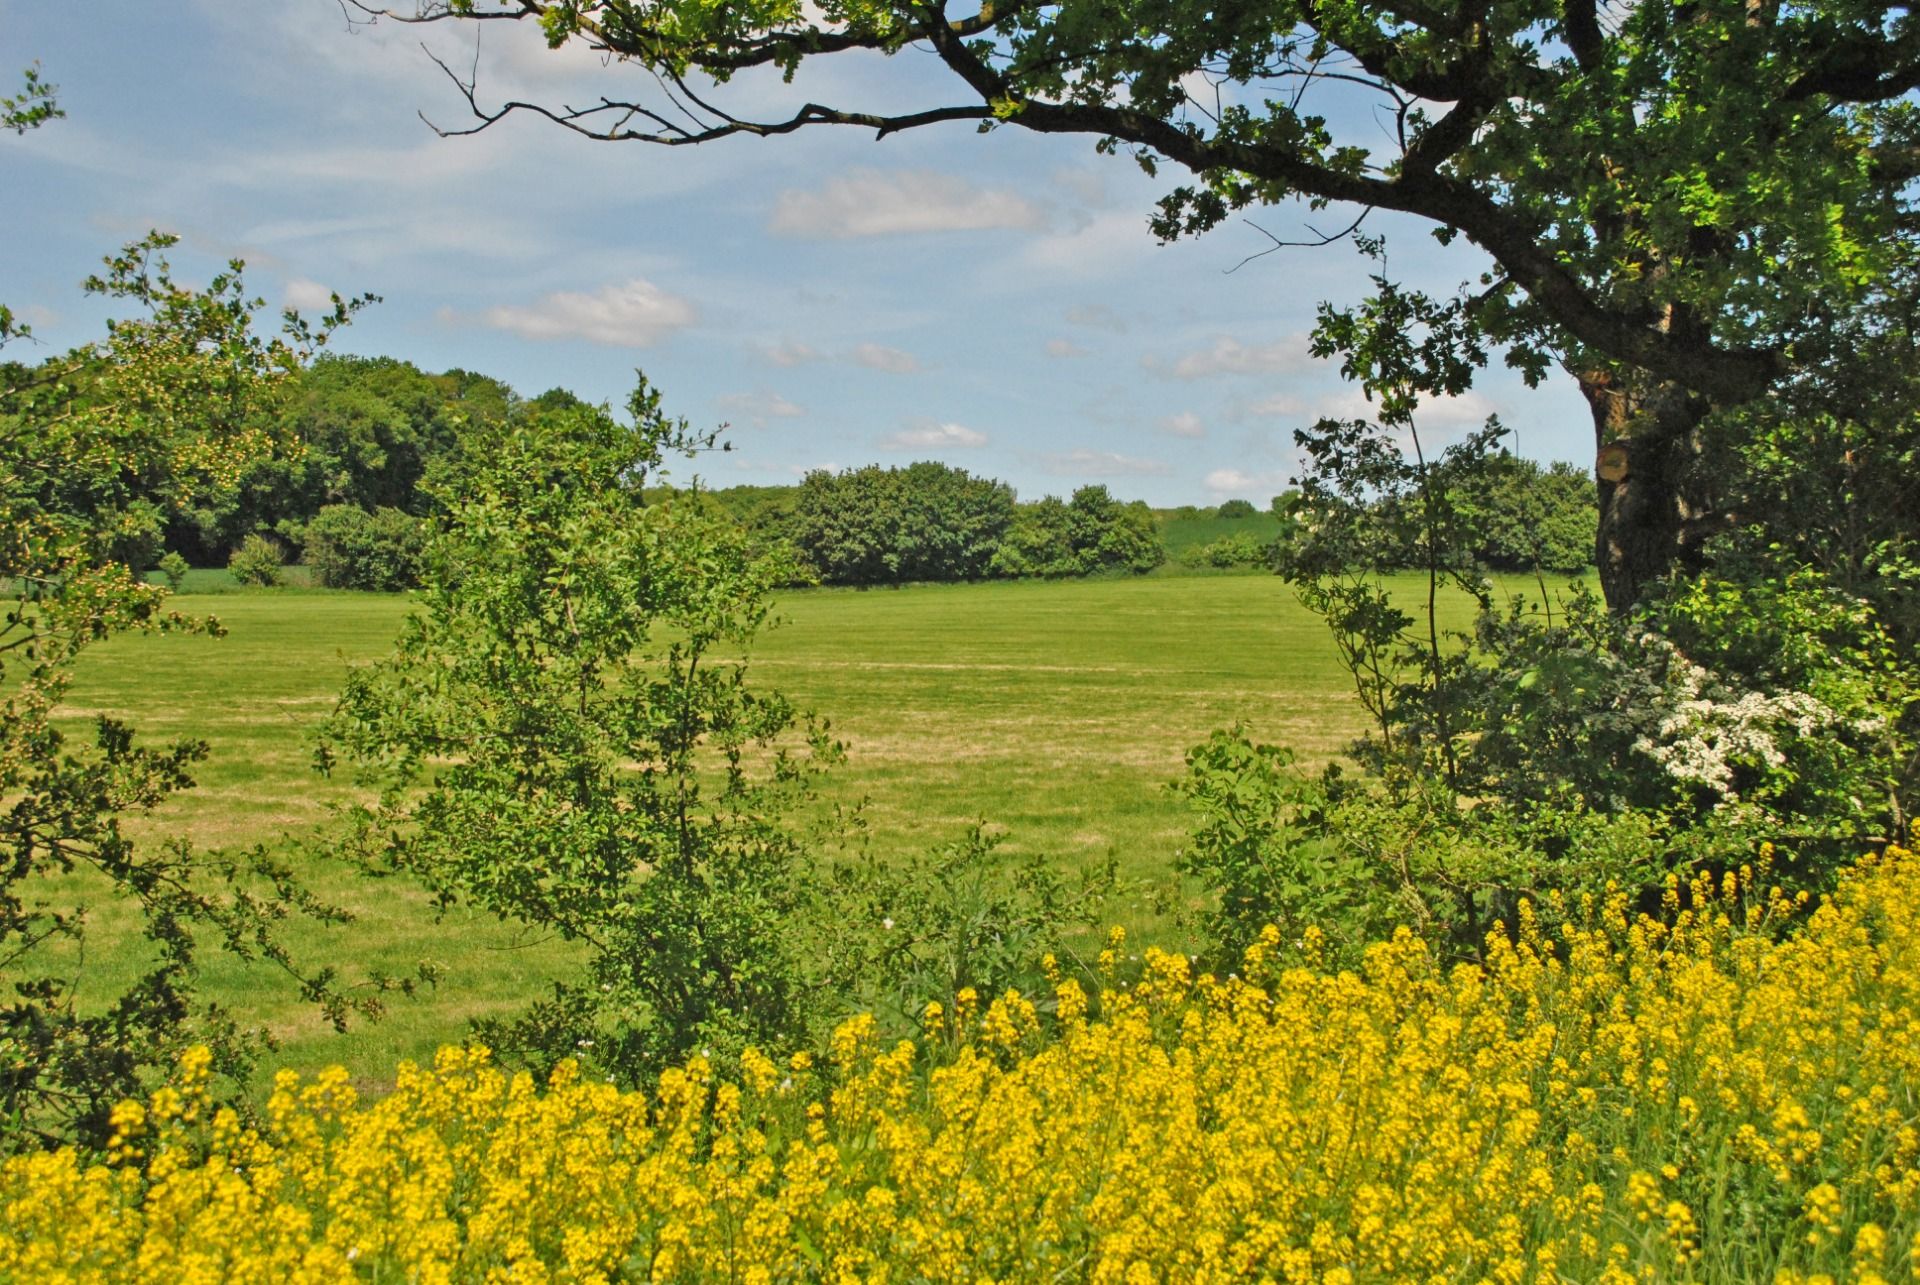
(929, 436)
(759, 407)
(1089, 463)
(1235, 482)
(791, 352)
(1064, 348)
(635, 315)
(1469, 410)
(1097, 246)
(881, 357)
(1097, 316)
(875, 203)
(1275, 406)
(1185, 424)
(1228, 356)
(308, 296)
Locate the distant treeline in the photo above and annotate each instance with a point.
(372, 435)
(1503, 514)
(931, 521)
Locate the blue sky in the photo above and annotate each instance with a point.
(996, 302)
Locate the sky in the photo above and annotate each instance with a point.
(996, 301)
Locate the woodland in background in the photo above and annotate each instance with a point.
(367, 439)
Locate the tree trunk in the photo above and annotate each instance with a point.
(1657, 501)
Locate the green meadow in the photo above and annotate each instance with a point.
(1056, 712)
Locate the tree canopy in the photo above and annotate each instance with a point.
(1681, 201)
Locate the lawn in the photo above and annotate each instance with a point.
(1058, 711)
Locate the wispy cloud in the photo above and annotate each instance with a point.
(880, 357)
(1228, 356)
(931, 436)
(868, 203)
(792, 353)
(637, 314)
(758, 407)
(1236, 482)
(1064, 348)
(1090, 463)
(1185, 424)
(1273, 406)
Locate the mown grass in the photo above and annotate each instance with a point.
(1058, 711)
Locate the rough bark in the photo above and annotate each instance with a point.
(1658, 502)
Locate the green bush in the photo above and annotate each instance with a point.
(928, 521)
(908, 931)
(174, 568)
(1356, 857)
(257, 561)
(350, 548)
(1238, 550)
(617, 781)
(1236, 509)
(1092, 532)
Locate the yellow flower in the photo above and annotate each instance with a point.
(1568, 1111)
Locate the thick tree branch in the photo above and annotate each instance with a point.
(1723, 373)
(1470, 81)
(1863, 70)
(1581, 26)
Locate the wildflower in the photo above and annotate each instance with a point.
(1559, 1114)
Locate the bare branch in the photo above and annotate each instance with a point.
(1319, 239)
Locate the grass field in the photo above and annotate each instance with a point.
(1056, 710)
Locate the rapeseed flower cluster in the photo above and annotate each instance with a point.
(1697, 1096)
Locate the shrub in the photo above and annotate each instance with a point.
(1109, 535)
(958, 918)
(1235, 509)
(257, 561)
(1038, 543)
(617, 781)
(1709, 1101)
(928, 521)
(348, 548)
(174, 568)
(1092, 532)
(1240, 549)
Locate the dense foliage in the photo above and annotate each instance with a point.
(928, 521)
(1557, 746)
(347, 547)
(1089, 533)
(365, 433)
(1695, 1096)
(564, 736)
(931, 521)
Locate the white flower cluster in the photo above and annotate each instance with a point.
(1706, 734)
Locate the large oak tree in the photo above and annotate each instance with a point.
(1684, 202)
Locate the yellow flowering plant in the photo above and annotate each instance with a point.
(1695, 1097)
